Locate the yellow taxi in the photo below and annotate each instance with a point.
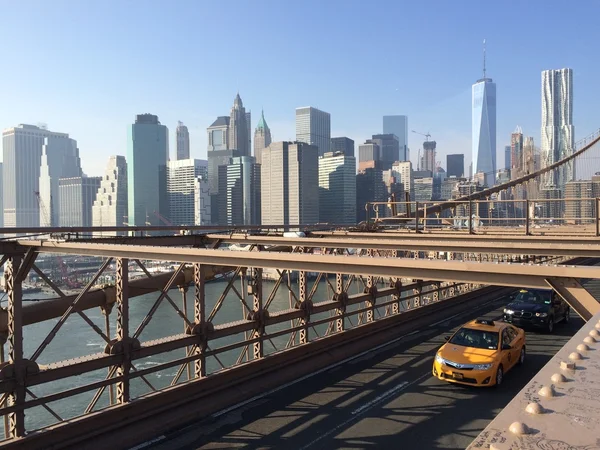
(480, 353)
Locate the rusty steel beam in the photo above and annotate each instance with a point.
(576, 296)
(489, 245)
(51, 309)
(506, 274)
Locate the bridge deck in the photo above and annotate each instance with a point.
(569, 415)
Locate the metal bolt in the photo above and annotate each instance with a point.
(534, 408)
(547, 391)
(519, 428)
(558, 378)
(589, 340)
(565, 365)
(583, 348)
(595, 334)
(575, 356)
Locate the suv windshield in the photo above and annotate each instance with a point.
(468, 337)
(537, 297)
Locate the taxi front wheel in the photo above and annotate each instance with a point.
(499, 376)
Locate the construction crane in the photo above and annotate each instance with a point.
(71, 284)
(163, 219)
(427, 135)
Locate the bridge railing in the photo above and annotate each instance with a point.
(102, 346)
(529, 216)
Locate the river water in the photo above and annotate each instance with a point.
(77, 339)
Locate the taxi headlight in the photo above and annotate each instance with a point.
(482, 366)
(439, 359)
(508, 311)
(541, 314)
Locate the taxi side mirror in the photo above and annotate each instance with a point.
(506, 347)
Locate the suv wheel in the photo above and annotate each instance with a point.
(550, 326)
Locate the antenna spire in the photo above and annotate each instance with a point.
(484, 58)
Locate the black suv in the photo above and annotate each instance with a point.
(539, 308)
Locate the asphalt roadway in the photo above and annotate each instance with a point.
(385, 399)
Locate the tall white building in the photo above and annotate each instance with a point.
(202, 199)
(484, 127)
(290, 184)
(313, 127)
(181, 176)
(402, 170)
(60, 159)
(398, 125)
(558, 132)
(110, 206)
(337, 188)
(22, 156)
(183, 141)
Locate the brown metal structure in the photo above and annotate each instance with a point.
(345, 287)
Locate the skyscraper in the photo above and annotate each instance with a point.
(239, 192)
(389, 149)
(558, 132)
(110, 206)
(181, 175)
(484, 127)
(290, 184)
(183, 141)
(342, 144)
(507, 157)
(398, 125)
(455, 165)
(202, 209)
(369, 151)
(313, 127)
(238, 128)
(403, 172)
(370, 187)
(429, 155)
(60, 159)
(22, 150)
(77, 197)
(337, 188)
(147, 156)
(516, 153)
(262, 137)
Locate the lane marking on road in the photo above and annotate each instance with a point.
(364, 408)
(379, 398)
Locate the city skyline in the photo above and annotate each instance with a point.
(97, 118)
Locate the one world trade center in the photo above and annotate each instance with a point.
(484, 127)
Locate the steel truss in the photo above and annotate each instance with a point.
(367, 287)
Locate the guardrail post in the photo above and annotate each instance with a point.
(200, 319)
(303, 334)
(339, 312)
(597, 216)
(371, 289)
(122, 283)
(470, 216)
(527, 217)
(257, 300)
(184, 289)
(416, 217)
(14, 289)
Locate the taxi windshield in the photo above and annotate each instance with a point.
(468, 337)
(533, 297)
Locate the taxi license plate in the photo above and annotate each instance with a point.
(457, 376)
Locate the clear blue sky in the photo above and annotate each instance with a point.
(88, 67)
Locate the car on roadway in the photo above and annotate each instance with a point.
(537, 308)
(480, 353)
